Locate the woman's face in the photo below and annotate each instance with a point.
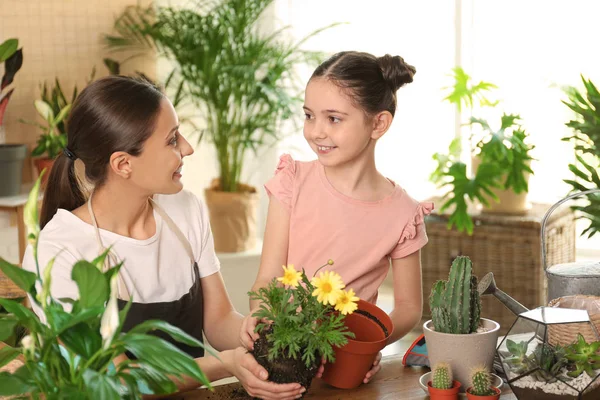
(158, 167)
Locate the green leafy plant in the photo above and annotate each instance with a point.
(583, 357)
(52, 140)
(12, 57)
(481, 382)
(441, 376)
(301, 316)
(242, 81)
(450, 312)
(586, 140)
(544, 363)
(503, 156)
(71, 353)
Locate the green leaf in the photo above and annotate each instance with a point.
(155, 380)
(8, 48)
(7, 327)
(7, 354)
(11, 385)
(163, 356)
(82, 340)
(62, 114)
(20, 277)
(100, 386)
(24, 315)
(173, 331)
(93, 288)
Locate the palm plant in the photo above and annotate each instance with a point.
(586, 138)
(242, 81)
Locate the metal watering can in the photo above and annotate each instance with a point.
(570, 278)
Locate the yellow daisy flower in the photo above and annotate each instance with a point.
(346, 303)
(328, 287)
(290, 277)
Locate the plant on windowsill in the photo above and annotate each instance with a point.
(70, 355)
(500, 160)
(586, 139)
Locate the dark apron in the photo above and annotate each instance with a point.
(185, 313)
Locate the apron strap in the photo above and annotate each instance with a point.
(122, 291)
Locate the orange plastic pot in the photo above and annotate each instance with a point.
(355, 359)
(495, 396)
(444, 394)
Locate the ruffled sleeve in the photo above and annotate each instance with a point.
(413, 236)
(281, 186)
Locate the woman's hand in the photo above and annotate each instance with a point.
(375, 369)
(247, 334)
(253, 377)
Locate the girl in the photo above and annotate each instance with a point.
(124, 133)
(339, 206)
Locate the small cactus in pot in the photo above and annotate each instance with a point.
(481, 385)
(442, 386)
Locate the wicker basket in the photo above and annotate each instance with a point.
(565, 334)
(508, 246)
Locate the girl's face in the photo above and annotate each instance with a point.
(336, 130)
(158, 167)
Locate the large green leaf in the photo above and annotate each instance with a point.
(20, 277)
(93, 288)
(11, 385)
(163, 356)
(7, 354)
(22, 313)
(173, 331)
(155, 380)
(82, 340)
(8, 48)
(7, 327)
(100, 387)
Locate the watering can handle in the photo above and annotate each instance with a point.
(547, 216)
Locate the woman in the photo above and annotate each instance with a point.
(123, 133)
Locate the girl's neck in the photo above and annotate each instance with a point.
(359, 179)
(124, 210)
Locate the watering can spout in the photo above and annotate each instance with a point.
(487, 285)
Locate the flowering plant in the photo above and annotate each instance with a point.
(71, 353)
(305, 318)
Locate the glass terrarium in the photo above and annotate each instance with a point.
(545, 356)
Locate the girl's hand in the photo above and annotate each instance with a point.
(247, 334)
(253, 377)
(375, 369)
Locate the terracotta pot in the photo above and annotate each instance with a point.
(508, 202)
(444, 394)
(40, 165)
(232, 217)
(355, 359)
(495, 396)
(462, 352)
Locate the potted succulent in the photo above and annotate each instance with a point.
(481, 386)
(585, 105)
(11, 155)
(71, 353)
(500, 160)
(456, 333)
(442, 386)
(305, 323)
(242, 82)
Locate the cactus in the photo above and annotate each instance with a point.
(481, 382)
(455, 304)
(441, 376)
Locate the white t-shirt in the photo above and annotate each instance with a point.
(156, 269)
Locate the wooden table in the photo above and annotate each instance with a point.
(393, 382)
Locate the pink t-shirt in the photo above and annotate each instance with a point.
(359, 236)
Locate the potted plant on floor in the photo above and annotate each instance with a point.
(11, 155)
(585, 103)
(70, 353)
(305, 324)
(457, 334)
(500, 160)
(243, 83)
(481, 386)
(442, 386)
